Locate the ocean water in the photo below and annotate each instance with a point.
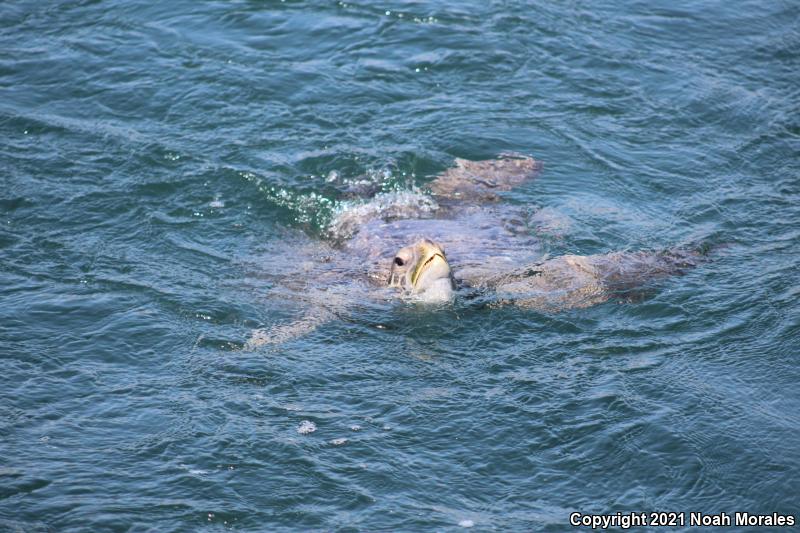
(160, 162)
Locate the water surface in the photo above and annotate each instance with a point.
(156, 161)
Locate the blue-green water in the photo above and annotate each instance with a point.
(154, 155)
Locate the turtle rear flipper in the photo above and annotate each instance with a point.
(480, 181)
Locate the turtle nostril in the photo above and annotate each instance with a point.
(398, 261)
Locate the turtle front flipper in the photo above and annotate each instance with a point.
(281, 333)
(319, 306)
(480, 181)
(577, 281)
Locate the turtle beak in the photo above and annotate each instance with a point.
(431, 264)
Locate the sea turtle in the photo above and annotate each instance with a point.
(455, 237)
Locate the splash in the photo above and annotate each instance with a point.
(348, 216)
(340, 219)
(310, 208)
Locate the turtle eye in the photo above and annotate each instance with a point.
(399, 262)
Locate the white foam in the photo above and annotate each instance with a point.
(348, 216)
(306, 427)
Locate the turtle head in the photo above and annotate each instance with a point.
(422, 269)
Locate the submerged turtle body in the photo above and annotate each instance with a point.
(461, 213)
(478, 241)
(458, 235)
